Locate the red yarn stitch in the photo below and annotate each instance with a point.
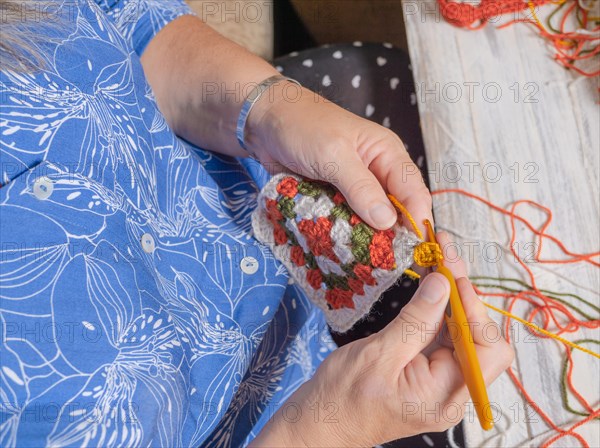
(318, 237)
(297, 255)
(279, 234)
(381, 250)
(288, 187)
(273, 212)
(339, 298)
(363, 272)
(338, 198)
(467, 15)
(355, 219)
(314, 278)
(356, 285)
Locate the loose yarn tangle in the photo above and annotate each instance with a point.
(573, 46)
(429, 254)
(551, 307)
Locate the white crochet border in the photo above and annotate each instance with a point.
(343, 319)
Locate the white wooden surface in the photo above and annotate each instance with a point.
(545, 147)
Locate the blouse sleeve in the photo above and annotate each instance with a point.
(140, 20)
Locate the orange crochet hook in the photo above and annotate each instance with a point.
(456, 319)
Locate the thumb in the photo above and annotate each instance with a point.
(419, 321)
(365, 195)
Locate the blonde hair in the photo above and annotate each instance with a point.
(19, 35)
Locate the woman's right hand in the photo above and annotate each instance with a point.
(385, 387)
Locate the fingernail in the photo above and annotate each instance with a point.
(434, 289)
(383, 214)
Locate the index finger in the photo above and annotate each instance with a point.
(402, 178)
(479, 320)
(407, 185)
(452, 259)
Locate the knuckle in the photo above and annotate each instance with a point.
(372, 378)
(370, 353)
(422, 191)
(359, 186)
(391, 136)
(443, 235)
(508, 354)
(409, 326)
(336, 146)
(407, 316)
(396, 141)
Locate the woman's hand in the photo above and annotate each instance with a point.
(200, 80)
(384, 387)
(313, 137)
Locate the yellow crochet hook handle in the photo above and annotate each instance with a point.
(460, 331)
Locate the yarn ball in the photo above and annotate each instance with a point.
(341, 263)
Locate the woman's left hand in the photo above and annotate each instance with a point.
(298, 129)
(313, 137)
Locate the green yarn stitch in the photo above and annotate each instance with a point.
(290, 235)
(348, 268)
(310, 261)
(341, 211)
(309, 189)
(336, 281)
(361, 238)
(286, 207)
(328, 190)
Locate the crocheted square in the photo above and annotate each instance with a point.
(343, 264)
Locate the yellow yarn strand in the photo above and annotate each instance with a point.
(426, 256)
(408, 216)
(541, 330)
(412, 274)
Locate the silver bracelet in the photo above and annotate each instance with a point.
(252, 99)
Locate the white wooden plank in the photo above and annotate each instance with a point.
(556, 140)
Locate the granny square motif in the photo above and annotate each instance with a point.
(342, 264)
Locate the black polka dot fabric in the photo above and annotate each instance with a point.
(371, 80)
(374, 81)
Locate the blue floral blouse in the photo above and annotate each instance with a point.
(136, 308)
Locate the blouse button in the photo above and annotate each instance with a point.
(148, 243)
(43, 188)
(249, 265)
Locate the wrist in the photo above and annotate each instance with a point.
(269, 114)
(306, 419)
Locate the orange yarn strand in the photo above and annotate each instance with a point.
(407, 215)
(550, 310)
